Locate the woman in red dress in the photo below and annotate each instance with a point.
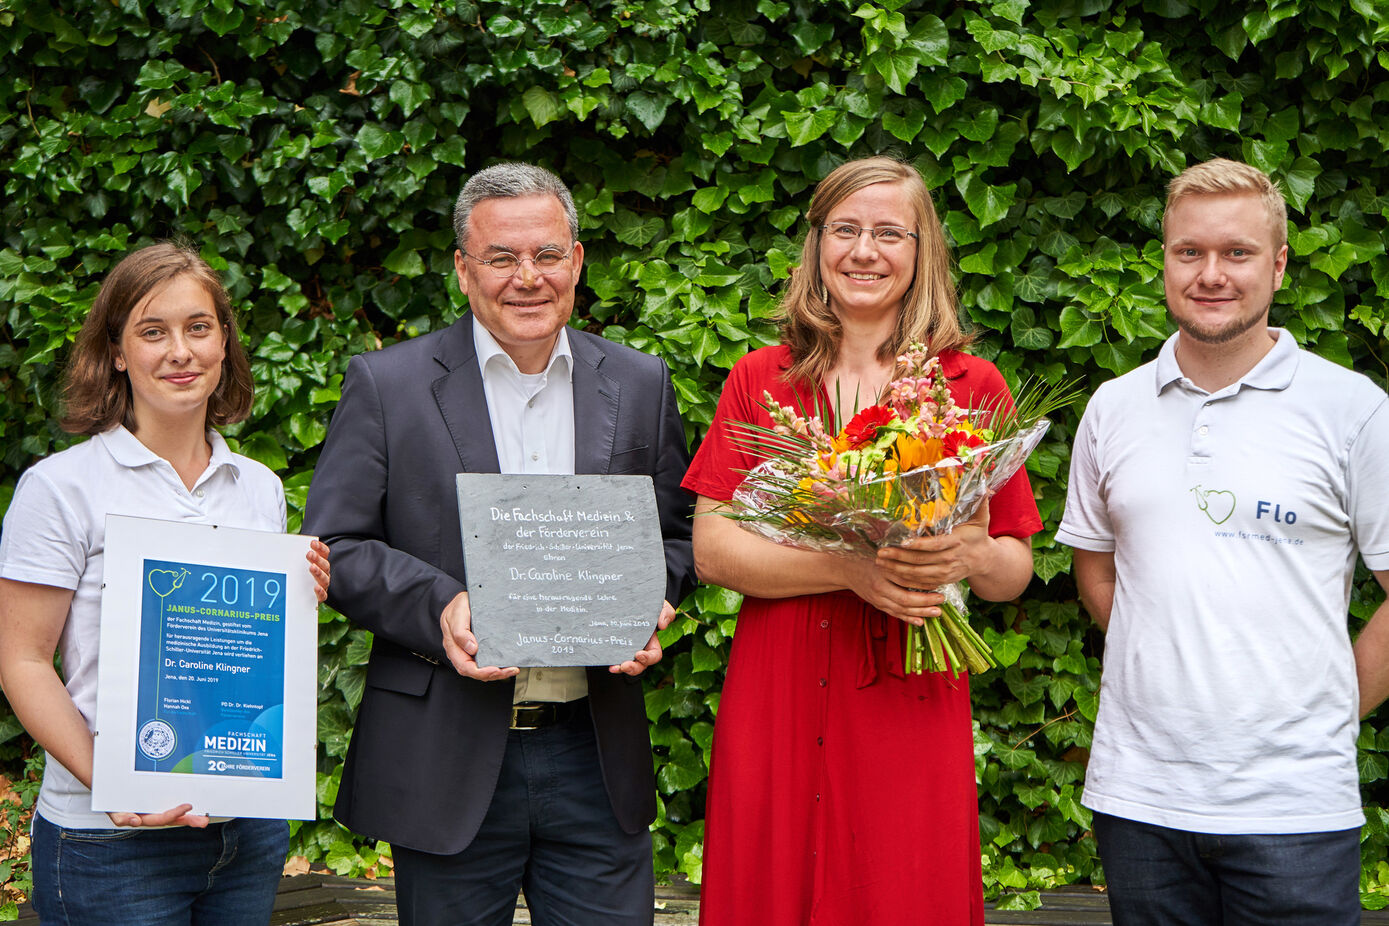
(842, 791)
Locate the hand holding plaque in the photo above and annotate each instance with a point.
(562, 570)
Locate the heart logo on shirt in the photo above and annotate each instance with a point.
(1218, 504)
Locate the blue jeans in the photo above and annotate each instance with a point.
(1164, 877)
(549, 831)
(224, 875)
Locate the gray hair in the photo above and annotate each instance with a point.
(503, 181)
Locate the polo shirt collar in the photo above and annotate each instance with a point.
(125, 448)
(1273, 372)
(488, 351)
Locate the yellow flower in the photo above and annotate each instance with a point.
(936, 510)
(949, 485)
(911, 452)
(911, 514)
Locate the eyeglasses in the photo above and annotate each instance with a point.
(888, 235)
(546, 260)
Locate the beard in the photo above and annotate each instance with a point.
(1224, 332)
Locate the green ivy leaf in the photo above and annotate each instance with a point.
(931, 40)
(222, 21)
(541, 105)
(989, 204)
(1300, 182)
(897, 66)
(906, 126)
(810, 37)
(408, 95)
(1224, 113)
(805, 127)
(404, 261)
(1028, 334)
(1078, 329)
(649, 110)
(263, 448)
(375, 142)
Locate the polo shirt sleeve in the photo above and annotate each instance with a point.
(44, 539)
(1085, 524)
(1368, 489)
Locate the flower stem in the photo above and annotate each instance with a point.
(946, 644)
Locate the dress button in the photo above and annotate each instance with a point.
(817, 797)
(535, 456)
(823, 683)
(824, 623)
(1203, 430)
(819, 741)
(198, 492)
(530, 404)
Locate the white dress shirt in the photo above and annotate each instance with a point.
(533, 430)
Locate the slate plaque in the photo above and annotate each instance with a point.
(562, 570)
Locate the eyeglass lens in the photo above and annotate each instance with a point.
(883, 234)
(544, 262)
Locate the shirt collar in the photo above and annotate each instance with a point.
(1273, 371)
(488, 351)
(952, 362)
(125, 448)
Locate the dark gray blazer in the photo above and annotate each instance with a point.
(428, 744)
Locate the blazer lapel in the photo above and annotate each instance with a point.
(462, 401)
(595, 407)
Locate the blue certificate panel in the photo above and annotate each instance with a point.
(212, 661)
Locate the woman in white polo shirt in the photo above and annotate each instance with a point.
(155, 367)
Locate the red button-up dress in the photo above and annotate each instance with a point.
(842, 791)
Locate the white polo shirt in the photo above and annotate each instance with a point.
(533, 430)
(1229, 701)
(55, 534)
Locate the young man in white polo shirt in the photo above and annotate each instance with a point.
(1218, 498)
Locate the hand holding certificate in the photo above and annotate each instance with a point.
(207, 670)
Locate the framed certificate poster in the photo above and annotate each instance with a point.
(206, 682)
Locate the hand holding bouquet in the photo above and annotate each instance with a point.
(915, 465)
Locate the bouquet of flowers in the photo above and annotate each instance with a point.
(915, 465)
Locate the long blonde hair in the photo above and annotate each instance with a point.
(930, 310)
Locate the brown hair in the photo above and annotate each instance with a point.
(1223, 176)
(96, 396)
(930, 311)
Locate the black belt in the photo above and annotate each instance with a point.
(533, 715)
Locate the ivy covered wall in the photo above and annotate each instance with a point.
(312, 150)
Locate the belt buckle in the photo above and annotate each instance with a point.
(531, 711)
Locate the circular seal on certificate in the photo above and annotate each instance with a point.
(157, 739)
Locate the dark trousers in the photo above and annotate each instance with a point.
(549, 831)
(1165, 877)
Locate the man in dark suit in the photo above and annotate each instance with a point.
(486, 779)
